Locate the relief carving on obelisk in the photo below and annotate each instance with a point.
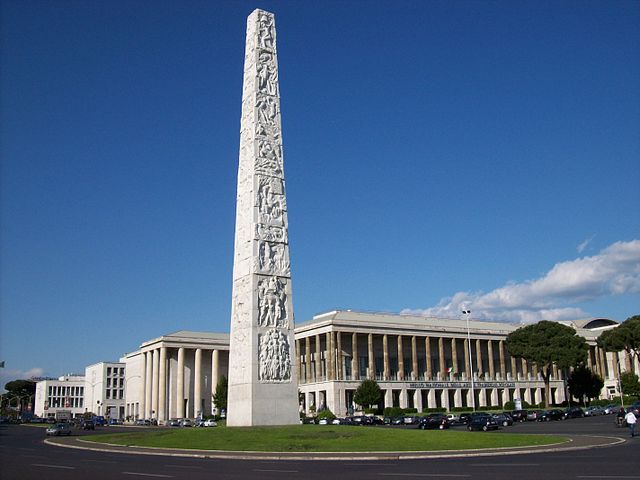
(261, 359)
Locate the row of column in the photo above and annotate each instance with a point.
(154, 402)
(332, 366)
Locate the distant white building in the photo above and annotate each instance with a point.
(104, 389)
(65, 394)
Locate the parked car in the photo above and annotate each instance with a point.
(482, 422)
(99, 420)
(143, 422)
(532, 415)
(453, 418)
(548, 415)
(573, 412)
(519, 415)
(635, 408)
(115, 421)
(464, 418)
(174, 422)
(185, 422)
(503, 419)
(593, 411)
(323, 421)
(88, 425)
(434, 421)
(411, 420)
(59, 429)
(611, 409)
(210, 422)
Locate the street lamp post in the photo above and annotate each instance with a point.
(467, 314)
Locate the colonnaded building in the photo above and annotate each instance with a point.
(419, 362)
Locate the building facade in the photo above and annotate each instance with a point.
(65, 394)
(104, 389)
(175, 376)
(429, 362)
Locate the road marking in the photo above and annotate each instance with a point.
(157, 475)
(434, 475)
(52, 466)
(277, 471)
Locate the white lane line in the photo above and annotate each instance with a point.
(431, 475)
(277, 471)
(156, 475)
(52, 466)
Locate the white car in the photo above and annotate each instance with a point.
(209, 423)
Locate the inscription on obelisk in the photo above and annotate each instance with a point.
(263, 386)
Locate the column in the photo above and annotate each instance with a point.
(197, 385)
(590, 360)
(319, 361)
(385, 358)
(143, 387)
(148, 385)
(180, 384)
(525, 369)
(215, 374)
(443, 367)
(329, 356)
(454, 355)
(414, 359)
(307, 359)
(371, 357)
(299, 360)
(479, 357)
(503, 367)
(155, 355)
(355, 366)
(427, 353)
(400, 359)
(162, 386)
(492, 367)
(602, 363)
(340, 362)
(514, 369)
(467, 357)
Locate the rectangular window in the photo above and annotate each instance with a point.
(108, 383)
(108, 371)
(108, 393)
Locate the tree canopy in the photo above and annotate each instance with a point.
(584, 383)
(546, 344)
(625, 336)
(220, 396)
(368, 393)
(630, 384)
(19, 388)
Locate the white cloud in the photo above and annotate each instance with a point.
(8, 375)
(613, 271)
(582, 246)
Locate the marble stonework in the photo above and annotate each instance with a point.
(263, 387)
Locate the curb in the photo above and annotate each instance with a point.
(596, 441)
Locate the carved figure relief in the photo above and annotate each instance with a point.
(272, 303)
(271, 203)
(269, 160)
(272, 259)
(272, 233)
(275, 357)
(265, 31)
(267, 110)
(267, 74)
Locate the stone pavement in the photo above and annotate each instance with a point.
(575, 442)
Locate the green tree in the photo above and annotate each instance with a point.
(547, 344)
(220, 396)
(368, 393)
(630, 384)
(625, 336)
(18, 393)
(583, 383)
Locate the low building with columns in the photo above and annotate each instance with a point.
(419, 362)
(175, 376)
(425, 362)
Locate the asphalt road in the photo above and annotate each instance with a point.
(23, 455)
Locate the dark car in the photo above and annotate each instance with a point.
(482, 422)
(548, 415)
(519, 415)
(464, 418)
(88, 425)
(503, 419)
(573, 412)
(435, 421)
(59, 429)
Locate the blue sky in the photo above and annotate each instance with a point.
(438, 154)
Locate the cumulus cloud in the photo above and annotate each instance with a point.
(613, 271)
(7, 375)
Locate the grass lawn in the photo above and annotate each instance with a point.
(322, 438)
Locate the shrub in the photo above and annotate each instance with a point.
(326, 413)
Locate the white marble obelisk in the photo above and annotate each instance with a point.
(263, 379)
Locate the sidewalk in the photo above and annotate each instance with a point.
(576, 442)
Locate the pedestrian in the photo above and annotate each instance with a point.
(631, 420)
